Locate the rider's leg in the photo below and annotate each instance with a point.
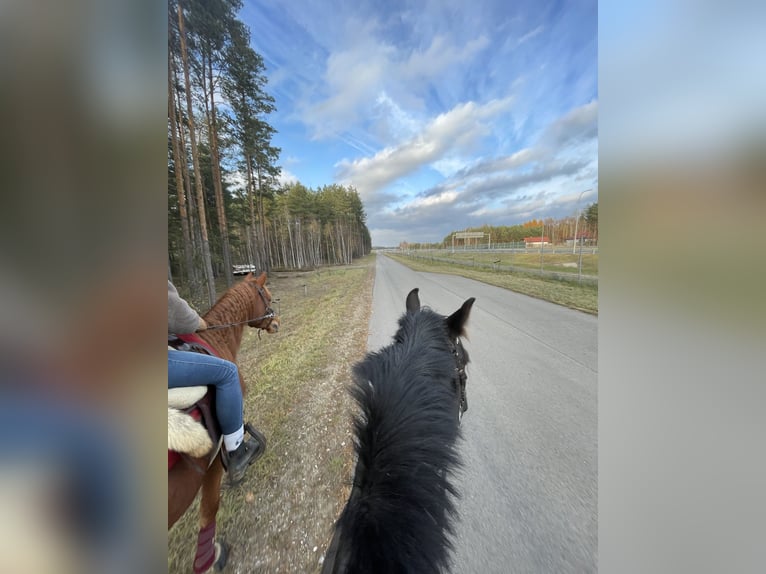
(186, 369)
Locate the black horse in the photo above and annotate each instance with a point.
(399, 517)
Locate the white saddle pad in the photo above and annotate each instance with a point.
(183, 397)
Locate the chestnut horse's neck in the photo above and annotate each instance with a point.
(239, 304)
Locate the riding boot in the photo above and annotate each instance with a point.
(242, 457)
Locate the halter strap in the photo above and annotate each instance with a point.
(461, 376)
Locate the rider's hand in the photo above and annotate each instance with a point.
(202, 325)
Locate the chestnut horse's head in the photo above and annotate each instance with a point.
(265, 317)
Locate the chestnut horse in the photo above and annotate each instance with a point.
(246, 303)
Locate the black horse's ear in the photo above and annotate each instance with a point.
(413, 302)
(456, 321)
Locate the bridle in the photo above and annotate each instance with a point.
(270, 314)
(461, 360)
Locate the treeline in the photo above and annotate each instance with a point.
(304, 228)
(558, 231)
(225, 204)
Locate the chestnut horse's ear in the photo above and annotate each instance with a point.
(261, 279)
(413, 302)
(456, 322)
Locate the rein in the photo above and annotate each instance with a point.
(270, 315)
(462, 377)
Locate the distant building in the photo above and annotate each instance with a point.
(536, 241)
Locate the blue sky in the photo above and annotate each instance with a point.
(442, 114)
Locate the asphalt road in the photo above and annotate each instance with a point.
(529, 486)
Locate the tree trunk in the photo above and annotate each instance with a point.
(217, 183)
(290, 237)
(261, 221)
(195, 160)
(331, 246)
(252, 238)
(181, 191)
(195, 281)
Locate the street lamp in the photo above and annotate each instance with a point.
(577, 218)
(579, 265)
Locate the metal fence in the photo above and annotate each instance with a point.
(544, 273)
(516, 247)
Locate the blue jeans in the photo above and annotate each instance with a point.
(187, 369)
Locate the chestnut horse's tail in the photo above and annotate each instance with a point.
(187, 435)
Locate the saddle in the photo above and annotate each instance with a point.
(190, 342)
(191, 411)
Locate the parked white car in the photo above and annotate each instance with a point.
(243, 269)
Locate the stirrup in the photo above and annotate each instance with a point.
(257, 435)
(260, 440)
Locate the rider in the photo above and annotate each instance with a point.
(189, 369)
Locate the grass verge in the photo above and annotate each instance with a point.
(558, 262)
(576, 296)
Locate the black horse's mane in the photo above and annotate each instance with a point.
(400, 515)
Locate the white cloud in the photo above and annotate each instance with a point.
(394, 122)
(449, 166)
(444, 197)
(352, 77)
(542, 180)
(514, 161)
(235, 180)
(452, 131)
(366, 67)
(579, 123)
(286, 178)
(529, 35)
(440, 55)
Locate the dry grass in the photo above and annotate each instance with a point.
(582, 297)
(558, 262)
(280, 518)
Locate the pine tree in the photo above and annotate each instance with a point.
(244, 87)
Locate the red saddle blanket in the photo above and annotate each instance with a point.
(197, 344)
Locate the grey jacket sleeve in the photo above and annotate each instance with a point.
(182, 319)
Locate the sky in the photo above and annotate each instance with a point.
(443, 114)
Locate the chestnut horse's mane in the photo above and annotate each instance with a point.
(240, 303)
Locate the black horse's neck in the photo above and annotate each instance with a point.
(400, 513)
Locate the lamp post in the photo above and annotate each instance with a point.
(577, 218)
